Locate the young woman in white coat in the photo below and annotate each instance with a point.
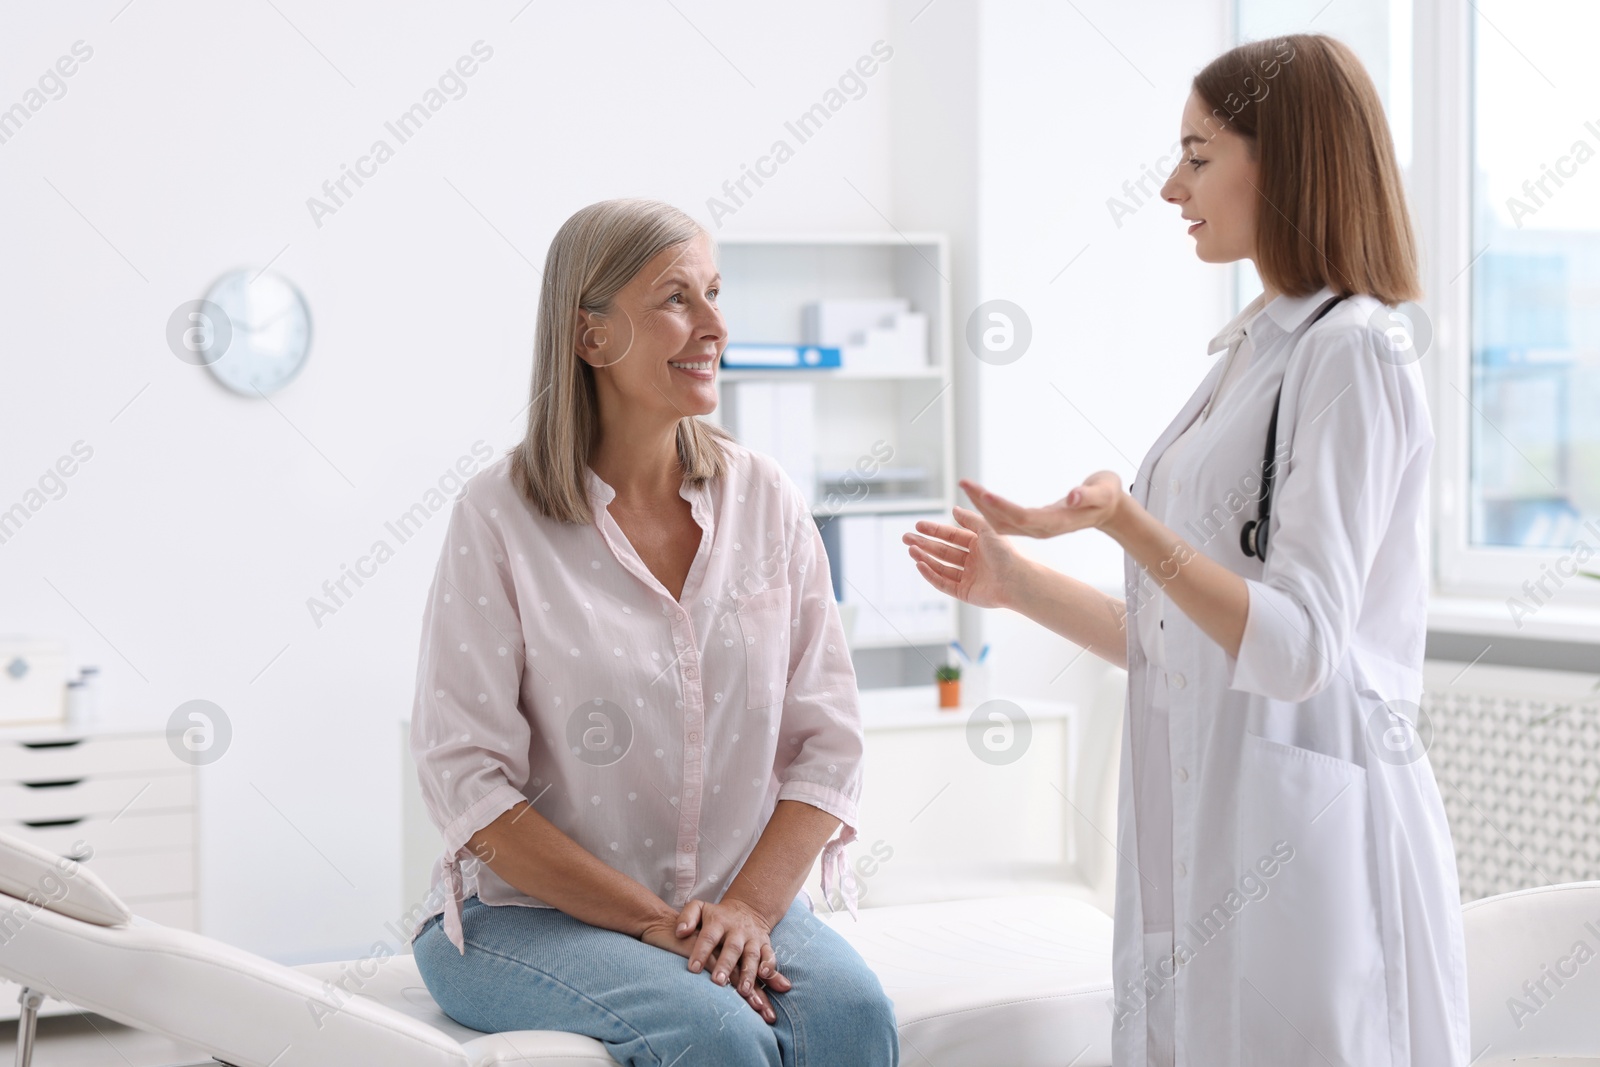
(1286, 889)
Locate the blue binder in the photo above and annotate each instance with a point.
(759, 356)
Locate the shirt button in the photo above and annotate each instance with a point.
(1181, 869)
(1183, 775)
(1176, 680)
(694, 737)
(686, 848)
(1175, 486)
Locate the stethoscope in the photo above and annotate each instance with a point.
(1253, 536)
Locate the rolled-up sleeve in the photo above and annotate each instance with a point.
(820, 754)
(1359, 424)
(469, 737)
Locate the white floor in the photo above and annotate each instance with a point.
(93, 1041)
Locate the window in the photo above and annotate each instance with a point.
(1534, 439)
(1495, 110)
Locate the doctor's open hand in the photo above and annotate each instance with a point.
(1095, 503)
(970, 562)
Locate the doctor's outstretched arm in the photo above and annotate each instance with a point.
(974, 563)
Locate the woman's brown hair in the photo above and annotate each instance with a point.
(592, 256)
(1333, 209)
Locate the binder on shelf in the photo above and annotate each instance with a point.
(885, 485)
(778, 418)
(748, 355)
(871, 569)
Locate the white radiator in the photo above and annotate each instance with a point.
(1517, 756)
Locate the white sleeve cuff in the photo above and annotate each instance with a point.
(1279, 658)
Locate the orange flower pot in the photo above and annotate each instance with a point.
(950, 694)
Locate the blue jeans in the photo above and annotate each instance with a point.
(541, 969)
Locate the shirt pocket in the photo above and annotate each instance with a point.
(764, 627)
(1311, 960)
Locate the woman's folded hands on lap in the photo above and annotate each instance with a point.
(729, 939)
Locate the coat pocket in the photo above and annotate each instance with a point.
(1311, 983)
(764, 627)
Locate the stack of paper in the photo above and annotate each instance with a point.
(873, 336)
(779, 419)
(873, 570)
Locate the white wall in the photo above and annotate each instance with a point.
(1076, 100)
(185, 549)
(934, 172)
(1014, 123)
(182, 554)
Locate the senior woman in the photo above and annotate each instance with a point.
(636, 720)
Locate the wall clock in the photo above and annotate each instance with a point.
(271, 331)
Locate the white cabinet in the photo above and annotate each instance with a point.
(975, 801)
(122, 804)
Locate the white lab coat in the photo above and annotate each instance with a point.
(1315, 904)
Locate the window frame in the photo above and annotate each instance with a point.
(1442, 169)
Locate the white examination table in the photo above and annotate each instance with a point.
(1006, 982)
(1009, 982)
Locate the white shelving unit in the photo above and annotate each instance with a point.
(767, 279)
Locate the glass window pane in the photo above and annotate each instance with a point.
(1535, 437)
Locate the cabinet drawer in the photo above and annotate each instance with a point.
(135, 831)
(40, 759)
(180, 913)
(75, 796)
(146, 874)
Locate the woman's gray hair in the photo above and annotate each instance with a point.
(595, 253)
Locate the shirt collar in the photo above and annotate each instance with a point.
(601, 493)
(1236, 328)
(1285, 312)
(1290, 312)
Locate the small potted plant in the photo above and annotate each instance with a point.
(949, 679)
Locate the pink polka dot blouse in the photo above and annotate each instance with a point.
(658, 733)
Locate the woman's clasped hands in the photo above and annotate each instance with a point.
(734, 943)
